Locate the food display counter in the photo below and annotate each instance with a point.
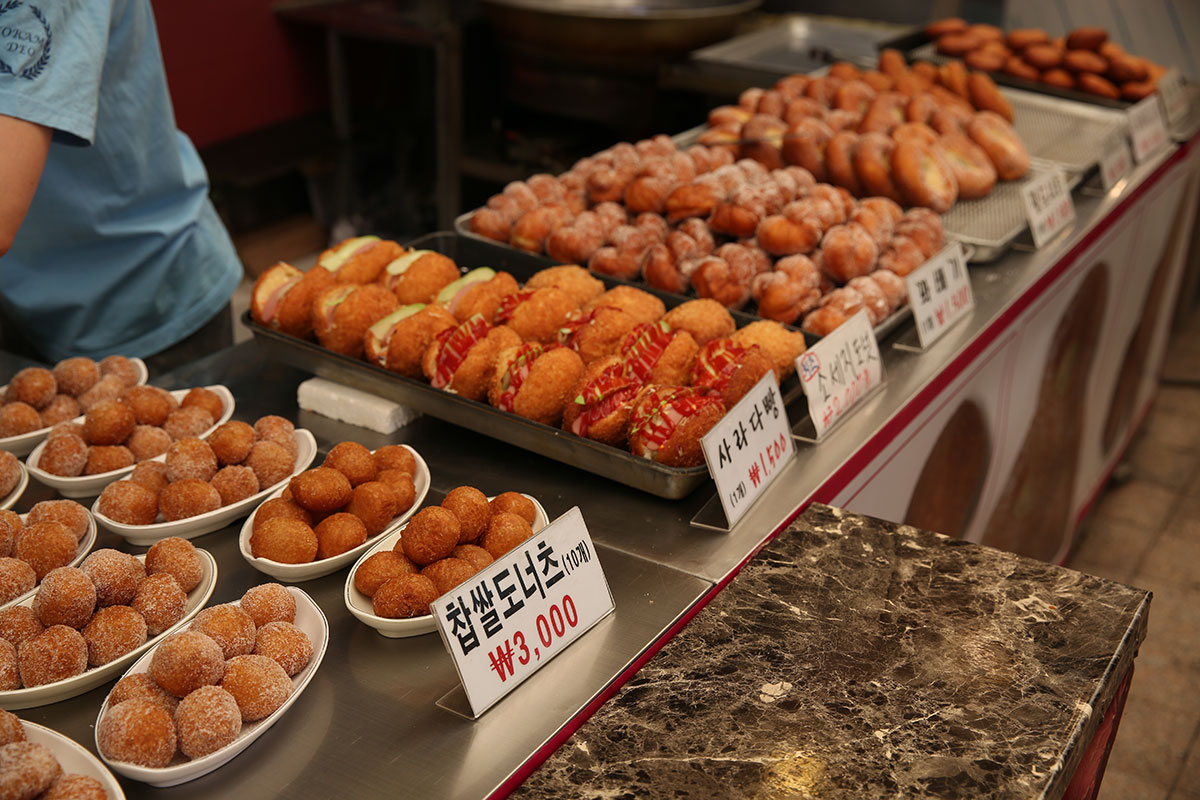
(1001, 432)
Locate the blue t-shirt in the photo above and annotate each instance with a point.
(121, 251)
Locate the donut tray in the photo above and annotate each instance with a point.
(1068, 133)
(600, 459)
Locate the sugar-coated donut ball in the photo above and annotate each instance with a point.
(271, 462)
(76, 375)
(232, 441)
(381, 567)
(273, 428)
(45, 546)
(207, 720)
(229, 626)
(147, 442)
(405, 596)
(129, 502)
(139, 732)
(178, 557)
(75, 787)
(190, 457)
(207, 399)
(140, 685)
(18, 623)
(109, 387)
(185, 661)
(11, 729)
(471, 507)
(160, 601)
(286, 644)
(152, 475)
(431, 534)
(234, 483)
(116, 576)
(108, 422)
(18, 418)
(16, 578)
(112, 632)
(35, 386)
(10, 673)
(68, 512)
(106, 458)
(258, 684)
(55, 654)
(62, 408)
(121, 368)
(10, 473)
(64, 455)
(269, 602)
(26, 770)
(186, 498)
(288, 541)
(66, 596)
(188, 421)
(352, 460)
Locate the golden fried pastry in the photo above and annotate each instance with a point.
(398, 341)
(533, 381)
(416, 276)
(923, 176)
(342, 314)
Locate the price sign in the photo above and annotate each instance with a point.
(746, 450)
(838, 371)
(940, 293)
(1048, 205)
(1174, 98)
(1116, 161)
(1147, 128)
(520, 611)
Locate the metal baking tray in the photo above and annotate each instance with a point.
(1065, 132)
(797, 45)
(601, 459)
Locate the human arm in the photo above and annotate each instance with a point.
(23, 149)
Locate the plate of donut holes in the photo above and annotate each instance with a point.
(45, 758)
(391, 586)
(13, 479)
(53, 395)
(172, 723)
(326, 517)
(32, 547)
(60, 636)
(183, 514)
(73, 462)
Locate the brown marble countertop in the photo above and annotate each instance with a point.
(853, 658)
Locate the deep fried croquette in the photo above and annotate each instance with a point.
(571, 278)
(641, 305)
(536, 314)
(342, 314)
(781, 345)
(534, 382)
(417, 276)
(463, 359)
(398, 341)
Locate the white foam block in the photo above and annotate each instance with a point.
(354, 406)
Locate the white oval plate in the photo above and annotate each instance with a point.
(21, 445)
(74, 758)
(92, 485)
(9, 500)
(295, 573)
(311, 620)
(84, 547)
(191, 527)
(360, 605)
(93, 677)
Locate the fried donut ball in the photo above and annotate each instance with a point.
(27, 769)
(151, 405)
(231, 442)
(352, 460)
(61, 409)
(109, 387)
(206, 399)
(274, 428)
(66, 596)
(281, 507)
(395, 456)
(65, 456)
(55, 654)
(18, 418)
(76, 375)
(10, 672)
(152, 475)
(45, 546)
(179, 558)
(139, 732)
(116, 576)
(285, 644)
(374, 503)
(113, 632)
(185, 661)
(514, 503)
(147, 442)
(10, 473)
(160, 601)
(473, 554)
(505, 531)
(190, 458)
(207, 720)
(68, 512)
(258, 684)
(447, 573)
(107, 458)
(403, 597)
(234, 483)
(186, 498)
(18, 623)
(189, 421)
(11, 729)
(340, 532)
(121, 368)
(271, 462)
(108, 422)
(381, 567)
(430, 535)
(16, 578)
(269, 602)
(404, 491)
(229, 626)
(35, 386)
(320, 489)
(10, 525)
(471, 508)
(139, 685)
(288, 541)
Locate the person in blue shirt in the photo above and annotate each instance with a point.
(108, 240)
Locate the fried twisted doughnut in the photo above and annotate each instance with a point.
(842, 120)
(847, 251)
(609, 261)
(530, 231)
(886, 112)
(609, 183)
(884, 207)
(901, 256)
(492, 223)
(874, 299)
(779, 235)
(660, 266)
(713, 278)
(841, 200)
(575, 243)
(696, 199)
(812, 209)
(728, 115)
(893, 287)
(791, 86)
(876, 223)
(781, 298)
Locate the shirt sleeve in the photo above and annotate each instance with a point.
(52, 54)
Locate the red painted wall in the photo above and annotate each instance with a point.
(234, 68)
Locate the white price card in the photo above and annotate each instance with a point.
(1115, 160)
(747, 449)
(1174, 98)
(838, 371)
(507, 620)
(940, 293)
(1147, 128)
(1048, 205)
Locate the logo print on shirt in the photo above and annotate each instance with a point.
(21, 43)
